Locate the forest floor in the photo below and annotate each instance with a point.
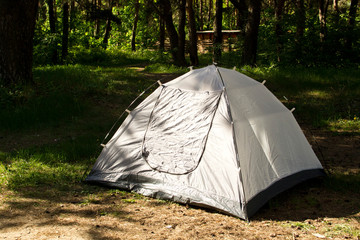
(317, 209)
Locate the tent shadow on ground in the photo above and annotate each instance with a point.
(311, 200)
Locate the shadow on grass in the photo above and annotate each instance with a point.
(332, 197)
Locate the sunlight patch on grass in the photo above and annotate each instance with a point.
(22, 170)
(165, 68)
(300, 225)
(345, 125)
(341, 230)
(318, 94)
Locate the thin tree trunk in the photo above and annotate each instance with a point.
(108, 25)
(251, 33)
(351, 25)
(278, 28)
(52, 22)
(323, 5)
(173, 35)
(162, 33)
(217, 44)
(201, 23)
(300, 21)
(65, 36)
(107, 33)
(97, 4)
(210, 12)
(194, 59)
(242, 11)
(136, 18)
(181, 30)
(300, 28)
(17, 26)
(72, 15)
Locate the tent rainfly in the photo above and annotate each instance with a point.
(212, 137)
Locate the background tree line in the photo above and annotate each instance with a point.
(306, 32)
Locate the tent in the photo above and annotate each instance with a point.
(212, 137)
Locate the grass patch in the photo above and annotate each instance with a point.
(341, 230)
(165, 68)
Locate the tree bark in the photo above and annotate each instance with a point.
(108, 24)
(201, 7)
(217, 44)
(136, 18)
(194, 59)
(72, 15)
(97, 5)
(300, 28)
(242, 11)
(107, 33)
(251, 33)
(162, 33)
(351, 25)
(17, 26)
(210, 11)
(165, 11)
(323, 5)
(65, 35)
(181, 30)
(52, 22)
(300, 21)
(279, 7)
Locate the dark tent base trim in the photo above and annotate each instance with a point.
(283, 184)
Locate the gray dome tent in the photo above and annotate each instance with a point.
(212, 137)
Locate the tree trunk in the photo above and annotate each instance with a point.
(217, 44)
(65, 36)
(72, 15)
(181, 30)
(300, 28)
(201, 7)
(210, 12)
(107, 33)
(279, 7)
(323, 5)
(166, 12)
(251, 33)
(194, 59)
(136, 18)
(108, 25)
(17, 26)
(52, 22)
(97, 4)
(352, 17)
(300, 21)
(242, 11)
(162, 33)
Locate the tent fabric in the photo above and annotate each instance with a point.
(177, 131)
(212, 137)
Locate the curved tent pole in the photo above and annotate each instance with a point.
(128, 111)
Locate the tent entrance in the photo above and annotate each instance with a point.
(177, 130)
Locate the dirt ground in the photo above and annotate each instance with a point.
(308, 211)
